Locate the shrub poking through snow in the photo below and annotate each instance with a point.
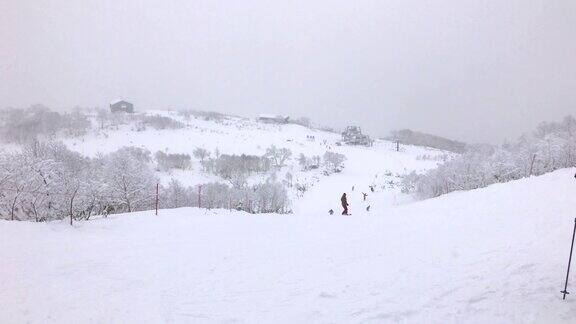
(267, 197)
(205, 115)
(140, 154)
(159, 122)
(236, 168)
(308, 163)
(278, 156)
(200, 153)
(167, 162)
(37, 122)
(333, 162)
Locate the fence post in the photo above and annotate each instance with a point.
(157, 199)
(200, 196)
(532, 164)
(397, 146)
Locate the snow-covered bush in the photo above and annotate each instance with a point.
(216, 195)
(550, 147)
(267, 197)
(167, 162)
(205, 115)
(46, 181)
(128, 181)
(75, 124)
(303, 162)
(433, 157)
(140, 154)
(106, 119)
(333, 162)
(278, 156)
(36, 122)
(288, 178)
(270, 197)
(201, 153)
(175, 195)
(236, 168)
(308, 163)
(302, 121)
(159, 122)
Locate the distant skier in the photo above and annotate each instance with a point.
(368, 208)
(352, 188)
(331, 212)
(364, 195)
(344, 201)
(372, 188)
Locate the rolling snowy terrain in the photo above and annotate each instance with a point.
(493, 255)
(379, 166)
(490, 255)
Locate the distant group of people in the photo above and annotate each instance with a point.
(344, 202)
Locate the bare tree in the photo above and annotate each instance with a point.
(278, 156)
(201, 153)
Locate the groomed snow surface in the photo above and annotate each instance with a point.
(494, 255)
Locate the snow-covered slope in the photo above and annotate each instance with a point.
(494, 255)
(365, 166)
(231, 135)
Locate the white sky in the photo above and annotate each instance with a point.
(470, 70)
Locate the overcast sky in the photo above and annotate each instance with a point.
(470, 70)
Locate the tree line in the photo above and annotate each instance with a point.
(47, 181)
(550, 147)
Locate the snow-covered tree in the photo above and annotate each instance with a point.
(129, 181)
(201, 153)
(167, 162)
(333, 161)
(278, 156)
(550, 147)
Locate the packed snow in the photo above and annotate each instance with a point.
(494, 255)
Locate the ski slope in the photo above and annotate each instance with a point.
(493, 255)
(364, 166)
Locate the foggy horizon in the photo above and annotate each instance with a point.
(475, 72)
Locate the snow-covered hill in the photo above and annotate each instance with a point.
(377, 166)
(494, 255)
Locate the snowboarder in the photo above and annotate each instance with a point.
(344, 201)
(364, 195)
